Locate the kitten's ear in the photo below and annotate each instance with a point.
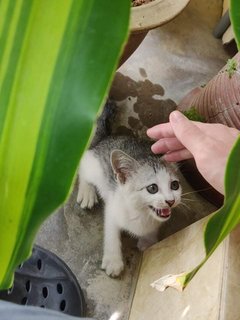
(123, 165)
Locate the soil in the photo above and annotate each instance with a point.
(136, 3)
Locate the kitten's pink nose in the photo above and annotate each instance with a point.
(170, 202)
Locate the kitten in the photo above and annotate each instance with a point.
(139, 190)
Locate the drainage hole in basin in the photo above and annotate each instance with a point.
(39, 264)
(24, 301)
(62, 305)
(59, 288)
(45, 292)
(28, 285)
(42, 306)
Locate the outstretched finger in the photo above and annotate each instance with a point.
(176, 156)
(163, 130)
(187, 132)
(166, 145)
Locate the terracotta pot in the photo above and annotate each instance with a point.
(217, 102)
(147, 17)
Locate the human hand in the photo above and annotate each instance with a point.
(209, 144)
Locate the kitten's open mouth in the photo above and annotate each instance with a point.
(163, 213)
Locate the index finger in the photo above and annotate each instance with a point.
(188, 133)
(163, 130)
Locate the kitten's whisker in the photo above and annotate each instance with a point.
(185, 205)
(184, 211)
(187, 199)
(179, 165)
(196, 191)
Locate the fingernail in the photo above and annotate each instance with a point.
(153, 148)
(176, 116)
(150, 133)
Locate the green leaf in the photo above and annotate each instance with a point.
(227, 217)
(57, 59)
(193, 114)
(232, 66)
(235, 20)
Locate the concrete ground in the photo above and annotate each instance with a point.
(172, 60)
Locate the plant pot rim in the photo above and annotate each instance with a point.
(154, 14)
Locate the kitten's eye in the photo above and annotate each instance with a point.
(175, 185)
(153, 188)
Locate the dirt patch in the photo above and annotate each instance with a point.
(136, 3)
(141, 105)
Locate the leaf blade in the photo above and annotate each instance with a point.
(64, 112)
(235, 18)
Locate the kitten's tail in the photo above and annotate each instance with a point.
(104, 123)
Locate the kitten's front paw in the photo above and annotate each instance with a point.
(87, 196)
(113, 265)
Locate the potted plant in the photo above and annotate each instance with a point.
(48, 101)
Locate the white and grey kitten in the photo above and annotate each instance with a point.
(139, 190)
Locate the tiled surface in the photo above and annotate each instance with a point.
(172, 60)
(180, 252)
(76, 237)
(230, 295)
(213, 293)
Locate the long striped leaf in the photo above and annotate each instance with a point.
(235, 19)
(56, 61)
